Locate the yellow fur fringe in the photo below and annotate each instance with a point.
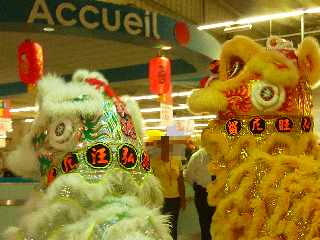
(309, 59)
(240, 46)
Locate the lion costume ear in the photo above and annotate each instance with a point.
(309, 60)
(239, 47)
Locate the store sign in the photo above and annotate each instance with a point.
(5, 121)
(93, 16)
(166, 114)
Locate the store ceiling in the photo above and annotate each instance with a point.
(64, 54)
(221, 11)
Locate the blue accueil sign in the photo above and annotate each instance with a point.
(101, 20)
(94, 16)
(97, 19)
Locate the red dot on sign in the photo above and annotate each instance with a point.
(182, 33)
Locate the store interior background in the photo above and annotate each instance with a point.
(64, 54)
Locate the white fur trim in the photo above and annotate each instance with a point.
(115, 200)
(151, 192)
(12, 233)
(81, 75)
(57, 98)
(23, 160)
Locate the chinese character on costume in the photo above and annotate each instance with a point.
(267, 161)
(86, 149)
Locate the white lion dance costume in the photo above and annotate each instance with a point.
(264, 154)
(94, 173)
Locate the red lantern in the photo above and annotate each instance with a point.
(160, 75)
(30, 59)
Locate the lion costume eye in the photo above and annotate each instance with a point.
(266, 96)
(235, 67)
(61, 134)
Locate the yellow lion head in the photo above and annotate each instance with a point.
(254, 80)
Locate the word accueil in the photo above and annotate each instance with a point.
(68, 14)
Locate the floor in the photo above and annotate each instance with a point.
(188, 226)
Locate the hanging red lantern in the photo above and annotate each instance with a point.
(30, 59)
(160, 75)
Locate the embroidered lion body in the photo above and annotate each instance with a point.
(86, 149)
(263, 151)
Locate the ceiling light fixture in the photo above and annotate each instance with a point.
(155, 120)
(48, 29)
(164, 127)
(197, 130)
(312, 10)
(29, 120)
(257, 19)
(165, 48)
(137, 98)
(149, 97)
(24, 109)
(144, 97)
(155, 128)
(238, 28)
(200, 125)
(152, 110)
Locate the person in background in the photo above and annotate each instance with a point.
(197, 174)
(168, 169)
(190, 149)
(7, 173)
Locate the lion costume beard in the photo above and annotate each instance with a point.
(95, 177)
(267, 176)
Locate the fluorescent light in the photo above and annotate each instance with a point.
(155, 128)
(166, 48)
(238, 28)
(164, 127)
(195, 135)
(145, 97)
(200, 125)
(149, 97)
(261, 18)
(314, 87)
(151, 110)
(197, 130)
(269, 17)
(152, 120)
(181, 94)
(216, 25)
(48, 29)
(29, 120)
(196, 117)
(155, 120)
(24, 109)
(312, 10)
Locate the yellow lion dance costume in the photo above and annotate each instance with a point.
(262, 147)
